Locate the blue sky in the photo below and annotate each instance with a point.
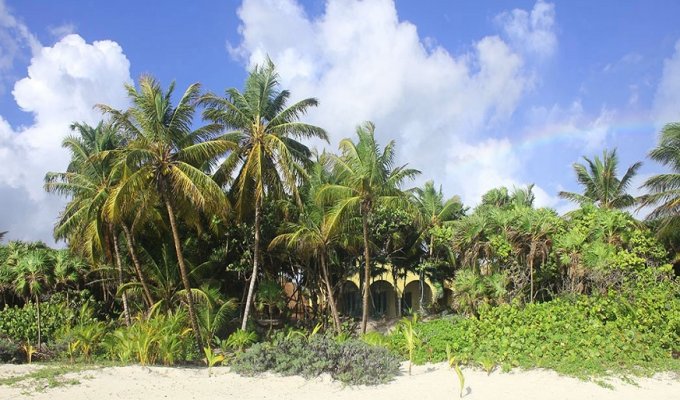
(477, 94)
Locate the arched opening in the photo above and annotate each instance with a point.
(349, 300)
(412, 295)
(383, 299)
(447, 299)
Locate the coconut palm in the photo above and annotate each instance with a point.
(166, 156)
(434, 211)
(665, 188)
(89, 179)
(268, 160)
(367, 179)
(312, 236)
(600, 183)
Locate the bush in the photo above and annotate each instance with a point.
(352, 361)
(635, 330)
(20, 323)
(163, 338)
(10, 352)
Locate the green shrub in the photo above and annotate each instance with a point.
(636, 330)
(352, 361)
(20, 323)
(163, 338)
(10, 352)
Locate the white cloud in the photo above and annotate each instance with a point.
(489, 164)
(16, 41)
(363, 63)
(533, 32)
(573, 124)
(63, 84)
(667, 98)
(59, 31)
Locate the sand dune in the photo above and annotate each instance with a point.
(434, 381)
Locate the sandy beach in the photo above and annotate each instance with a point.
(433, 381)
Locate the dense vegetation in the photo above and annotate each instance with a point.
(179, 229)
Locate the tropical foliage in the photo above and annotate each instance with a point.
(201, 228)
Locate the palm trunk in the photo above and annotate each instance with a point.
(119, 269)
(531, 272)
(37, 305)
(367, 273)
(185, 277)
(256, 260)
(331, 298)
(138, 268)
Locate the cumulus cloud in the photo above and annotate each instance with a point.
(667, 98)
(531, 31)
(63, 83)
(363, 63)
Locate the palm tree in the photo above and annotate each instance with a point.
(89, 179)
(2, 235)
(268, 159)
(600, 184)
(165, 155)
(665, 188)
(367, 179)
(434, 211)
(312, 236)
(32, 276)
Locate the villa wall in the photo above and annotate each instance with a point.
(386, 294)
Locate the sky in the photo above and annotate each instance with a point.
(476, 93)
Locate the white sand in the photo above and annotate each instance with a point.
(434, 381)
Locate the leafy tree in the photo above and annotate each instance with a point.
(167, 156)
(600, 183)
(268, 159)
(367, 179)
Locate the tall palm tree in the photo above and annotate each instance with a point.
(89, 179)
(433, 211)
(165, 155)
(600, 183)
(268, 160)
(665, 188)
(367, 179)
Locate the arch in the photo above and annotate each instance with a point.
(349, 299)
(447, 299)
(412, 295)
(383, 299)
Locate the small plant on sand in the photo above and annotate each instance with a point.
(488, 365)
(29, 350)
(212, 358)
(238, 341)
(453, 363)
(375, 339)
(407, 327)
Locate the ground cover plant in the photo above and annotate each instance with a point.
(350, 361)
(633, 332)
